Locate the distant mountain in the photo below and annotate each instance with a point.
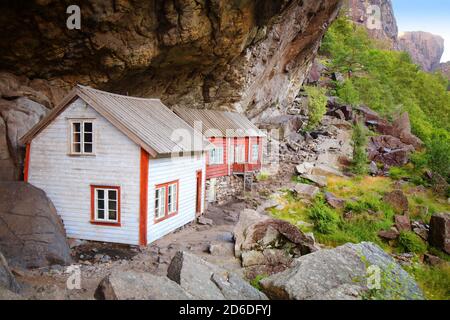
(426, 49)
(361, 13)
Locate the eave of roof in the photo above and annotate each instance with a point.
(219, 123)
(147, 122)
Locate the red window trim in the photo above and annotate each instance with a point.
(103, 223)
(167, 215)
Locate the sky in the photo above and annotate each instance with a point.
(425, 15)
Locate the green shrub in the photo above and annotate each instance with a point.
(397, 173)
(348, 93)
(317, 105)
(410, 242)
(359, 140)
(324, 218)
(369, 202)
(439, 154)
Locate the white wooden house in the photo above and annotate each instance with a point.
(117, 168)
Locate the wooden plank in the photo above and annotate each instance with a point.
(143, 198)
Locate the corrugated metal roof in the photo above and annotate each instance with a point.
(148, 122)
(219, 123)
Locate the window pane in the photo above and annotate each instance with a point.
(112, 194)
(112, 205)
(160, 202)
(112, 215)
(88, 127)
(172, 198)
(88, 147)
(169, 199)
(101, 214)
(76, 138)
(87, 137)
(100, 194)
(100, 204)
(76, 127)
(77, 147)
(255, 151)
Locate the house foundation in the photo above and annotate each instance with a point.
(223, 189)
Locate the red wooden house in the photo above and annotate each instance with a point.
(238, 142)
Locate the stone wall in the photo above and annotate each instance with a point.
(226, 188)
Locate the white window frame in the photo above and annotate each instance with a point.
(160, 209)
(106, 201)
(230, 152)
(172, 195)
(216, 156)
(255, 152)
(239, 153)
(82, 143)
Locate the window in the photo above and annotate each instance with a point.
(172, 196)
(105, 205)
(160, 203)
(240, 154)
(216, 156)
(166, 200)
(255, 152)
(82, 137)
(230, 153)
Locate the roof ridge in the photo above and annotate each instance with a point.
(210, 110)
(115, 94)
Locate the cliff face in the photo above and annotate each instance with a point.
(359, 11)
(242, 55)
(246, 55)
(426, 49)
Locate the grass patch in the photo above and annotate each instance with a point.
(362, 228)
(324, 218)
(434, 281)
(256, 281)
(410, 242)
(263, 176)
(294, 211)
(424, 204)
(298, 179)
(359, 186)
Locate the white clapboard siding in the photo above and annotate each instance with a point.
(170, 169)
(67, 179)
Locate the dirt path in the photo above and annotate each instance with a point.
(96, 259)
